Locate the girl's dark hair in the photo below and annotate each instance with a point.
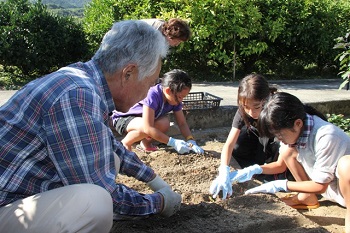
(280, 112)
(176, 80)
(176, 29)
(254, 87)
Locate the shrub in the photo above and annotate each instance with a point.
(35, 40)
(340, 121)
(279, 37)
(343, 43)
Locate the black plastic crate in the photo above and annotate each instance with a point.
(200, 100)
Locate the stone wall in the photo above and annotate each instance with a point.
(201, 119)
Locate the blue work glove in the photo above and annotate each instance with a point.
(179, 145)
(245, 174)
(195, 147)
(270, 187)
(222, 182)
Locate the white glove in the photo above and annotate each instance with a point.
(245, 174)
(179, 145)
(171, 202)
(270, 187)
(222, 182)
(158, 183)
(195, 147)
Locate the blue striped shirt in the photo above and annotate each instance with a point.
(55, 132)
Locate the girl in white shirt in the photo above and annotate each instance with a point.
(323, 151)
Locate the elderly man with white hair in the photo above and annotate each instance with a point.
(58, 156)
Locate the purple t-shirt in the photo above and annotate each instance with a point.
(154, 100)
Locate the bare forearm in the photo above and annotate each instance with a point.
(226, 155)
(273, 168)
(185, 130)
(306, 187)
(157, 135)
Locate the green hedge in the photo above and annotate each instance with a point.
(278, 38)
(274, 37)
(36, 41)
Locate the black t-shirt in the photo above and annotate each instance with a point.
(238, 121)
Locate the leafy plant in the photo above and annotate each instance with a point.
(279, 37)
(35, 40)
(97, 21)
(340, 121)
(343, 43)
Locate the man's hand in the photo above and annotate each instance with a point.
(171, 202)
(222, 182)
(270, 187)
(179, 145)
(158, 183)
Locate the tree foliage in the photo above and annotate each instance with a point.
(281, 37)
(98, 20)
(308, 29)
(36, 41)
(343, 43)
(277, 37)
(66, 3)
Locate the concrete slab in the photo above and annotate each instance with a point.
(309, 91)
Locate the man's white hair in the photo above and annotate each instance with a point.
(131, 41)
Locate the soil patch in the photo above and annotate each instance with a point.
(191, 175)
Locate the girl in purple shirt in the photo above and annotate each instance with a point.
(148, 119)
